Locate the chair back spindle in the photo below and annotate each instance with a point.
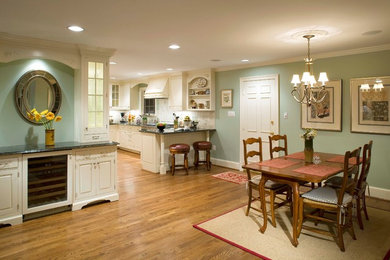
(276, 149)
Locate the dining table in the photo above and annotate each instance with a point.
(294, 171)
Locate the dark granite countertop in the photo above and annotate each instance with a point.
(59, 146)
(173, 131)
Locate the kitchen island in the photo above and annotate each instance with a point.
(155, 146)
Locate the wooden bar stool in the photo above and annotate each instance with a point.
(179, 149)
(202, 146)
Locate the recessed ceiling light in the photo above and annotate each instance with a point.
(371, 32)
(113, 77)
(139, 73)
(244, 60)
(169, 69)
(174, 46)
(75, 28)
(112, 62)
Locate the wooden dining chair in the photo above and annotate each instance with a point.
(327, 199)
(361, 183)
(360, 190)
(275, 149)
(271, 188)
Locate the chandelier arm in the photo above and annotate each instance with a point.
(298, 97)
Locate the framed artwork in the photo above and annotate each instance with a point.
(327, 114)
(227, 98)
(369, 106)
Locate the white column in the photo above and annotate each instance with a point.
(208, 136)
(163, 170)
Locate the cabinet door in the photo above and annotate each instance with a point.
(175, 100)
(105, 173)
(8, 192)
(85, 179)
(137, 141)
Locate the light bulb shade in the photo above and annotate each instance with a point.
(312, 80)
(295, 79)
(306, 77)
(323, 78)
(378, 86)
(365, 87)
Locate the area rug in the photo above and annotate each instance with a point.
(232, 177)
(243, 232)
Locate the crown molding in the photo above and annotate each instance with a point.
(323, 55)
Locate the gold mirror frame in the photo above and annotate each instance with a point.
(22, 86)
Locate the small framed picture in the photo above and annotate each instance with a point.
(227, 98)
(370, 99)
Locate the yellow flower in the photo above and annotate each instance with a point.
(58, 118)
(38, 117)
(33, 111)
(44, 112)
(50, 116)
(30, 116)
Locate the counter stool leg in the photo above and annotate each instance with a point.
(208, 160)
(196, 161)
(173, 164)
(186, 162)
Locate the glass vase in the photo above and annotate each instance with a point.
(49, 137)
(309, 150)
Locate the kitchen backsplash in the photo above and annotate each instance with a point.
(206, 119)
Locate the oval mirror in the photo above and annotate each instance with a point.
(37, 89)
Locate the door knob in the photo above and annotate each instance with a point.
(271, 133)
(272, 122)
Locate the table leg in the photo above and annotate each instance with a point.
(163, 170)
(295, 189)
(262, 200)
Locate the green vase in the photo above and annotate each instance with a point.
(309, 150)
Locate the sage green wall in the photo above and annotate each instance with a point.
(14, 130)
(226, 138)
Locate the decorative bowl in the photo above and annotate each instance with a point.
(161, 127)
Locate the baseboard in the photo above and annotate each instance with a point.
(81, 203)
(379, 193)
(225, 163)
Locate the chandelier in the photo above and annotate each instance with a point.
(306, 90)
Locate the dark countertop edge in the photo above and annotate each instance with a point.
(157, 132)
(60, 146)
(125, 124)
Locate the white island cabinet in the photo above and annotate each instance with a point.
(155, 147)
(10, 190)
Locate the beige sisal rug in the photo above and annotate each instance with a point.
(243, 231)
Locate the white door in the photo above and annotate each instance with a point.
(259, 110)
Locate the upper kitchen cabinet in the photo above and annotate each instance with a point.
(92, 119)
(176, 99)
(201, 90)
(119, 94)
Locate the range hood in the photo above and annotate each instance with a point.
(157, 88)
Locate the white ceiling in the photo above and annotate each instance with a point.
(228, 30)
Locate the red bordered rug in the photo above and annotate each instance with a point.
(232, 177)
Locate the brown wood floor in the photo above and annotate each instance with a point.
(152, 220)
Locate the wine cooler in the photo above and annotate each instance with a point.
(46, 182)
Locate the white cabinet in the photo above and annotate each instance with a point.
(114, 130)
(95, 176)
(129, 137)
(119, 94)
(91, 96)
(201, 90)
(176, 100)
(10, 190)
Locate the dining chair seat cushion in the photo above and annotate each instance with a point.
(268, 185)
(336, 181)
(326, 195)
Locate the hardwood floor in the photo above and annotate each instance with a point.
(152, 220)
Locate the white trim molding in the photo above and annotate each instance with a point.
(227, 164)
(379, 193)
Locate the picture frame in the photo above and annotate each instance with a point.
(326, 115)
(226, 98)
(369, 107)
